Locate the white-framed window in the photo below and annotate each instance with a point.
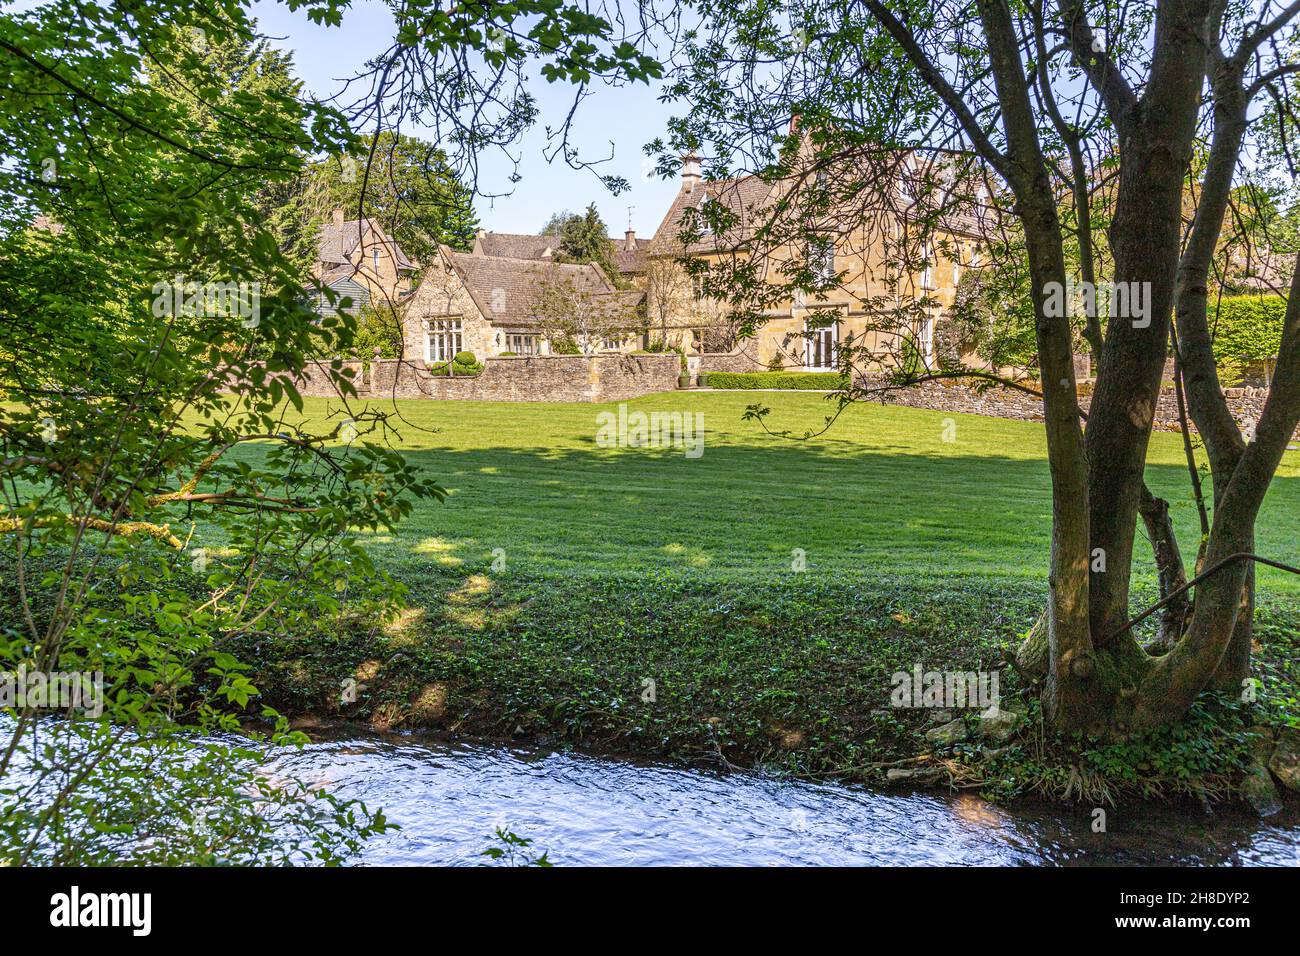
(927, 341)
(956, 273)
(821, 259)
(523, 343)
(611, 343)
(374, 261)
(927, 268)
(707, 209)
(442, 340)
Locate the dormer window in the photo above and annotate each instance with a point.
(706, 210)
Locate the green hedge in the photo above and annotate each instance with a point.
(1247, 328)
(455, 368)
(804, 380)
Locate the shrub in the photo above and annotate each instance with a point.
(506, 354)
(454, 368)
(1247, 329)
(464, 358)
(775, 364)
(799, 380)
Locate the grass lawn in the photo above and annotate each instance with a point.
(648, 605)
(882, 493)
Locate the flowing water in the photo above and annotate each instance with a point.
(587, 810)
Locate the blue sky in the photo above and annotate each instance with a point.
(628, 118)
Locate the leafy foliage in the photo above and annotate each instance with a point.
(155, 503)
(406, 185)
(585, 239)
(800, 380)
(1247, 328)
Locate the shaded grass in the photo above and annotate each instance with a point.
(880, 493)
(794, 675)
(636, 573)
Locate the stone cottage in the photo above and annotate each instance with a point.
(356, 258)
(492, 304)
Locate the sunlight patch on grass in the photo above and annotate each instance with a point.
(404, 627)
(443, 551)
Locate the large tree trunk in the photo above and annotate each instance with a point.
(1069, 693)
(1112, 684)
(1096, 677)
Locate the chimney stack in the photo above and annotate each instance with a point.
(690, 172)
(338, 218)
(629, 241)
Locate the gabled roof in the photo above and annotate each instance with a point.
(337, 242)
(631, 260)
(514, 245)
(749, 199)
(744, 197)
(506, 290)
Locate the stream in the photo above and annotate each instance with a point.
(587, 810)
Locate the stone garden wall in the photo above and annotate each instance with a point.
(1246, 404)
(741, 360)
(532, 378)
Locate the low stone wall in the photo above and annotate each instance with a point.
(741, 360)
(1246, 404)
(316, 380)
(532, 378)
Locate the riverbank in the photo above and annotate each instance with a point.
(798, 677)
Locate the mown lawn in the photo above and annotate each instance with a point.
(881, 493)
(648, 604)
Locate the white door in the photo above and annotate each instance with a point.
(819, 347)
(927, 341)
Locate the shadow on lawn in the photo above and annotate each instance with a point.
(747, 511)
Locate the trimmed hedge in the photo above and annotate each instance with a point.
(799, 380)
(455, 368)
(1247, 328)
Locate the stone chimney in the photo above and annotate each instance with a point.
(478, 243)
(338, 218)
(629, 241)
(690, 172)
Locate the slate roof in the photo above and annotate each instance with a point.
(744, 197)
(337, 242)
(341, 281)
(748, 198)
(631, 260)
(513, 245)
(520, 283)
